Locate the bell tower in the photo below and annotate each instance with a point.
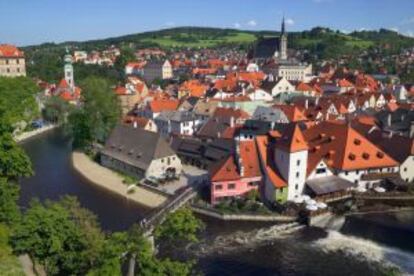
(68, 70)
(283, 42)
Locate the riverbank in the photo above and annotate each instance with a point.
(29, 134)
(113, 182)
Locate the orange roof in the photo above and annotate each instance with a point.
(343, 148)
(63, 84)
(157, 106)
(10, 51)
(230, 170)
(194, 88)
(292, 112)
(292, 139)
(304, 87)
(345, 83)
(267, 162)
(120, 90)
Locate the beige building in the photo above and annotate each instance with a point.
(158, 70)
(295, 72)
(12, 62)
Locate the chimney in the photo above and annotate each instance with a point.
(307, 104)
(231, 121)
(316, 101)
(389, 119)
(135, 124)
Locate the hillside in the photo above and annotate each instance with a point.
(44, 61)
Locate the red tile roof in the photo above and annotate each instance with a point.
(343, 148)
(10, 51)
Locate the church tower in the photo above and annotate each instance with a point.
(283, 42)
(68, 69)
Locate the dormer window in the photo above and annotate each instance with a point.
(357, 142)
(380, 155)
(351, 156)
(365, 156)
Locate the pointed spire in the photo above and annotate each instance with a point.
(283, 25)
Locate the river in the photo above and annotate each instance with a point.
(355, 249)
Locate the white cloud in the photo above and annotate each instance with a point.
(409, 33)
(252, 23)
(169, 24)
(290, 21)
(408, 21)
(237, 25)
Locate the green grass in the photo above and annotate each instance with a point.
(9, 263)
(195, 41)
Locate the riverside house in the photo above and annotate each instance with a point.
(140, 153)
(237, 174)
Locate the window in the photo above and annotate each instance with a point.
(218, 187)
(296, 187)
(298, 163)
(297, 175)
(405, 169)
(231, 186)
(320, 170)
(356, 182)
(346, 173)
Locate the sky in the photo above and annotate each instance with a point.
(28, 22)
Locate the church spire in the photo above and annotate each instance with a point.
(283, 25)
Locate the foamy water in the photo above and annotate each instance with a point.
(367, 249)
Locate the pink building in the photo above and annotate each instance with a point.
(236, 175)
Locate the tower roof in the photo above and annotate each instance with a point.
(283, 31)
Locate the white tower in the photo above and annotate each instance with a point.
(291, 158)
(68, 70)
(283, 42)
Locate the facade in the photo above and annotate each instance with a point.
(12, 61)
(295, 72)
(177, 123)
(236, 175)
(140, 153)
(157, 70)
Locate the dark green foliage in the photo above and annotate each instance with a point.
(55, 110)
(64, 238)
(14, 162)
(98, 115)
(17, 99)
(181, 225)
(9, 195)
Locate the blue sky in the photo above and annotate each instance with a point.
(27, 22)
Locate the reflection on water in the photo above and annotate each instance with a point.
(55, 177)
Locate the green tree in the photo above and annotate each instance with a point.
(99, 114)
(60, 236)
(55, 110)
(14, 162)
(181, 225)
(9, 195)
(17, 99)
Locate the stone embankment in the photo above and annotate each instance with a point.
(29, 134)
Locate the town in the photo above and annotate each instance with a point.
(264, 132)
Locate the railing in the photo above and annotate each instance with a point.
(158, 215)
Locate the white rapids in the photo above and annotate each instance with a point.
(367, 249)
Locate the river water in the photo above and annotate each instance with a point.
(356, 248)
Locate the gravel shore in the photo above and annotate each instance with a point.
(111, 181)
